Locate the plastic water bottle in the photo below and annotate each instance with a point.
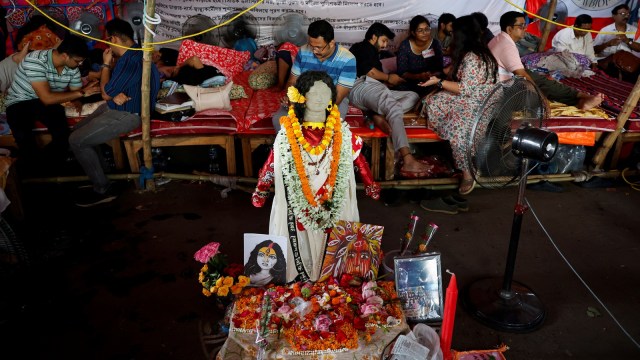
(214, 165)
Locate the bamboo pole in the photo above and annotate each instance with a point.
(629, 104)
(146, 98)
(547, 25)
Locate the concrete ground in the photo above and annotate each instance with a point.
(119, 281)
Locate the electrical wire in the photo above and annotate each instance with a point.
(634, 185)
(579, 277)
(12, 10)
(565, 25)
(155, 20)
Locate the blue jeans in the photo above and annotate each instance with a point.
(98, 128)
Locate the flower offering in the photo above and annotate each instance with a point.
(320, 317)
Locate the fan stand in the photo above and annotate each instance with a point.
(504, 304)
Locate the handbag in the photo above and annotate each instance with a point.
(210, 98)
(626, 61)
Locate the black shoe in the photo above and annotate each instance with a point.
(457, 200)
(597, 182)
(546, 186)
(92, 198)
(439, 205)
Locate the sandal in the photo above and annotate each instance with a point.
(466, 186)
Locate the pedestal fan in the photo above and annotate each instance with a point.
(506, 134)
(243, 26)
(291, 27)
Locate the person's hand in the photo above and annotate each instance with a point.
(120, 99)
(91, 88)
(432, 81)
(615, 41)
(395, 79)
(107, 56)
(284, 101)
(18, 57)
(77, 104)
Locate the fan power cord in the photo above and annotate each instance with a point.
(634, 185)
(579, 277)
(155, 20)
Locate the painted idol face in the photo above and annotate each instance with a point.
(358, 261)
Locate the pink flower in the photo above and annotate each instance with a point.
(207, 252)
(375, 300)
(285, 312)
(322, 323)
(368, 289)
(368, 309)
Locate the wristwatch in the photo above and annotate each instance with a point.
(440, 84)
(105, 66)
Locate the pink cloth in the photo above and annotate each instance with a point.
(505, 51)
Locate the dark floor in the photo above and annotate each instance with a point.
(119, 281)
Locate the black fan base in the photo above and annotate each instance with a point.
(520, 311)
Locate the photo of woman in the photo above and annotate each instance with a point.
(266, 264)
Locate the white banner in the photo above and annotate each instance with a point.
(350, 18)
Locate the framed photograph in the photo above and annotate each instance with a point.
(419, 286)
(265, 259)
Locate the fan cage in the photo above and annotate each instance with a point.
(508, 105)
(198, 23)
(245, 26)
(291, 27)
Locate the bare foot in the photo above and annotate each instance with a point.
(382, 123)
(590, 101)
(411, 165)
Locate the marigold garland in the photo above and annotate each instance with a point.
(331, 134)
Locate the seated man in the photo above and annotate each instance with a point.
(44, 80)
(575, 40)
(369, 93)
(443, 32)
(323, 54)
(121, 84)
(503, 48)
(607, 44)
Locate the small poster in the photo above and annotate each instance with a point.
(265, 259)
(353, 248)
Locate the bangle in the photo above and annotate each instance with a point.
(105, 66)
(440, 84)
(388, 77)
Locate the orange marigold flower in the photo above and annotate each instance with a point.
(223, 291)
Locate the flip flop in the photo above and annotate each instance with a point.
(470, 183)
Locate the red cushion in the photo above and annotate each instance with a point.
(230, 62)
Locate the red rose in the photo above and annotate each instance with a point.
(234, 270)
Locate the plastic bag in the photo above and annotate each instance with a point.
(428, 337)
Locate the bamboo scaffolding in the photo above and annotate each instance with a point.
(547, 25)
(146, 98)
(629, 104)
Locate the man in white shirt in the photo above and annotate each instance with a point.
(608, 44)
(575, 40)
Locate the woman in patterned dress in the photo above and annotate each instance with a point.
(451, 111)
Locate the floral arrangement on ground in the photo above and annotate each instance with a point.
(219, 278)
(319, 317)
